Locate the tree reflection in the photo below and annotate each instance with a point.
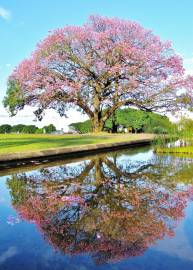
(108, 206)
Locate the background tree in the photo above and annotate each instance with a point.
(39, 131)
(99, 67)
(82, 127)
(18, 128)
(50, 128)
(5, 128)
(30, 129)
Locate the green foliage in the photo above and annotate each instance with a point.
(5, 129)
(161, 124)
(17, 128)
(138, 121)
(14, 100)
(39, 131)
(31, 129)
(50, 128)
(131, 118)
(26, 129)
(184, 134)
(18, 189)
(82, 127)
(141, 121)
(159, 130)
(186, 128)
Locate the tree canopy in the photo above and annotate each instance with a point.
(5, 128)
(50, 128)
(99, 67)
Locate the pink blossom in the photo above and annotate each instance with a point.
(72, 199)
(68, 65)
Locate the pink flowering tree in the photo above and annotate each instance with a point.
(99, 67)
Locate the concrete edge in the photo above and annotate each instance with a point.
(71, 151)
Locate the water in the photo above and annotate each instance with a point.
(180, 143)
(122, 210)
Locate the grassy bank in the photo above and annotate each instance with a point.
(14, 143)
(176, 150)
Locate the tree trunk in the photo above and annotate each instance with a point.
(97, 121)
(114, 122)
(114, 127)
(98, 170)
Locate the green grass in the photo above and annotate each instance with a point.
(176, 150)
(12, 143)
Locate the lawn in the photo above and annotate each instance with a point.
(12, 143)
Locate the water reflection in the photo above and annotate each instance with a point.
(110, 206)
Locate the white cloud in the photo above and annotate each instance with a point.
(27, 117)
(5, 14)
(178, 246)
(10, 252)
(180, 114)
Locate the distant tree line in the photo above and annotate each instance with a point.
(27, 129)
(133, 120)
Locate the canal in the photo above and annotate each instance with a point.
(128, 209)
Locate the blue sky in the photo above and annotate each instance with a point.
(23, 23)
